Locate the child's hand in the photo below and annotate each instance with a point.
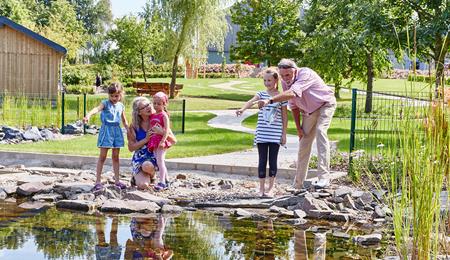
(85, 119)
(161, 145)
(239, 112)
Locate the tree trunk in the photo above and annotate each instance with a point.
(174, 76)
(337, 88)
(440, 50)
(369, 61)
(142, 65)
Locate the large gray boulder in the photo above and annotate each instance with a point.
(80, 205)
(32, 188)
(129, 206)
(145, 196)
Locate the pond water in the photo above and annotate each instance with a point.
(55, 234)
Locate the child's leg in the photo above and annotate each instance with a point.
(262, 164)
(100, 163)
(273, 163)
(160, 160)
(115, 163)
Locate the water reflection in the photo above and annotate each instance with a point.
(55, 234)
(146, 240)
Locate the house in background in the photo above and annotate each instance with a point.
(30, 64)
(214, 55)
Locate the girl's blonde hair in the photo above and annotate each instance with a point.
(272, 73)
(136, 119)
(115, 87)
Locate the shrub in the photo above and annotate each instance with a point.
(79, 74)
(77, 89)
(130, 91)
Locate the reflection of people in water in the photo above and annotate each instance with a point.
(301, 250)
(265, 244)
(104, 250)
(147, 241)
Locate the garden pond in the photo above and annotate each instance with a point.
(56, 234)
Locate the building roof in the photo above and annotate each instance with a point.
(20, 28)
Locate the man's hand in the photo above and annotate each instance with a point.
(300, 133)
(263, 103)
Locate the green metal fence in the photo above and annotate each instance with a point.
(28, 109)
(375, 128)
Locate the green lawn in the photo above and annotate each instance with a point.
(199, 139)
(339, 130)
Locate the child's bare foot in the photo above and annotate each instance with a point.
(270, 193)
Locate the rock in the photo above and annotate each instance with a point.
(242, 213)
(225, 183)
(2, 166)
(3, 194)
(32, 134)
(348, 202)
(226, 187)
(181, 177)
(379, 212)
(73, 187)
(367, 240)
(80, 205)
(379, 220)
(47, 134)
(73, 129)
(286, 213)
(336, 200)
(336, 216)
(112, 192)
(357, 194)
(387, 210)
(257, 203)
(200, 184)
(308, 203)
(367, 198)
(84, 196)
(47, 180)
(171, 209)
(299, 213)
(379, 194)
(35, 205)
(145, 196)
(275, 209)
(289, 201)
(31, 188)
(341, 192)
(12, 133)
(341, 235)
(324, 194)
(128, 206)
(50, 197)
(392, 258)
(2, 135)
(318, 214)
(296, 221)
(340, 206)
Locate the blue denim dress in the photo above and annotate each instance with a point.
(111, 135)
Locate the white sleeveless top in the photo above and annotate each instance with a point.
(267, 132)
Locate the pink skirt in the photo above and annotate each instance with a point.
(153, 144)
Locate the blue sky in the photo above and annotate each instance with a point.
(123, 7)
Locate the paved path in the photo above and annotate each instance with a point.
(227, 119)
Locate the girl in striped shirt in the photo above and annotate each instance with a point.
(270, 130)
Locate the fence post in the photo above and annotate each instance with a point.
(84, 112)
(62, 112)
(352, 129)
(183, 117)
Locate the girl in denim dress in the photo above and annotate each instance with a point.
(110, 135)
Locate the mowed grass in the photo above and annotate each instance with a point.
(198, 140)
(338, 131)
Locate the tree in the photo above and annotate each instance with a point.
(63, 27)
(190, 26)
(269, 30)
(135, 41)
(432, 25)
(362, 33)
(95, 15)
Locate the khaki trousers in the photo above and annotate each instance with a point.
(314, 126)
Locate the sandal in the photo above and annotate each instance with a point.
(160, 186)
(97, 187)
(121, 186)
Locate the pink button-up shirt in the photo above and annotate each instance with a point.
(310, 90)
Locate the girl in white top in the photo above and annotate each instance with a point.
(270, 130)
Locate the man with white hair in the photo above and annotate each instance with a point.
(309, 96)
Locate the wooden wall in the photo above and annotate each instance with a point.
(27, 65)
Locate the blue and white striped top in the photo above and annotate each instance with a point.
(267, 132)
